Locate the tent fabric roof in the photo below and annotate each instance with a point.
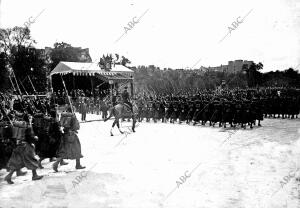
(117, 77)
(90, 69)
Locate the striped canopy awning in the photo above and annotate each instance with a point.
(115, 77)
(89, 69)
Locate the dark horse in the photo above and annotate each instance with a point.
(120, 111)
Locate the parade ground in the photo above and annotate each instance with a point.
(165, 165)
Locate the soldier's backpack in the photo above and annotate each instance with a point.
(38, 120)
(66, 120)
(18, 130)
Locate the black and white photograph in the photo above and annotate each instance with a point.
(149, 104)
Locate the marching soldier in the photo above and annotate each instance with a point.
(162, 110)
(24, 156)
(83, 109)
(183, 111)
(198, 111)
(104, 109)
(191, 111)
(70, 147)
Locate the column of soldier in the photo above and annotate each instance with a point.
(30, 127)
(21, 119)
(91, 105)
(85, 102)
(226, 107)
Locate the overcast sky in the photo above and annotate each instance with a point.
(176, 34)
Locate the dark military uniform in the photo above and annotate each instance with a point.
(162, 110)
(191, 111)
(217, 113)
(198, 111)
(125, 97)
(183, 111)
(228, 113)
(175, 112)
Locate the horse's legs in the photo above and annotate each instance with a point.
(111, 134)
(110, 115)
(113, 125)
(118, 125)
(133, 123)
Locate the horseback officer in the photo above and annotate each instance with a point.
(125, 97)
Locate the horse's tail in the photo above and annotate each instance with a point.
(111, 113)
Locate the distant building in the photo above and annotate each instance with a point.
(83, 53)
(231, 67)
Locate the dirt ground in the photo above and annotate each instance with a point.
(170, 165)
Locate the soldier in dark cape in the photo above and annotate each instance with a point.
(70, 147)
(168, 110)
(162, 110)
(155, 108)
(183, 111)
(50, 139)
(197, 111)
(191, 110)
(24, 156)
(217, 113)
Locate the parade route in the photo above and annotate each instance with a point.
(221, 167)
(150, 104)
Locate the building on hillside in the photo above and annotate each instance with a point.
(82, 53)
(231, 67)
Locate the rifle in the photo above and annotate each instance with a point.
(12, 84)
(67, 94)
(32, 86)
(23, 87)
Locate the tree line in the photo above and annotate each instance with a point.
(26, 68)
(153, 80)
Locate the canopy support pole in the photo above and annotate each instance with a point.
(73, 80)
(111, 92)
(131, 88)
(92, 85)
(50, 83)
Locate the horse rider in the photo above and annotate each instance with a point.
(125, 97)
(114, 98)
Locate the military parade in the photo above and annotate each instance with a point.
(31, 125)
(154, 104)
(43, 129)
(229, 106)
